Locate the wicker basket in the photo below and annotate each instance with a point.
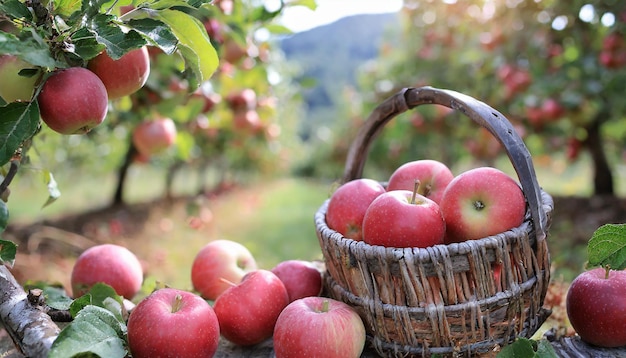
(444, 299)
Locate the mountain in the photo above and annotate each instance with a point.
(332, 54)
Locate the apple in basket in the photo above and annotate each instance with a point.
(434, 177)
(403, 218)
(348, 204)
(319, 327)
(481, 202)
(596, 307)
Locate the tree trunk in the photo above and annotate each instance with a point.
(118, 197)
(602, 175)
(28, 325)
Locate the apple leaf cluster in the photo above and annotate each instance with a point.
(607, 247)
(76, 32)
(98, 325)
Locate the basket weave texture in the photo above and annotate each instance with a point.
(458, 299)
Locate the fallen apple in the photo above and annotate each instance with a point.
(219, 265)
(111, 264)
(301, 278)
(247, 312)
(596, 307)
(173, 323)
(319, 327)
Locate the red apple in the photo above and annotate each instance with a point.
(14, 87)
(403, 218)
(552, 109)
(319, 327)
(243, 99)
(247, 312)
(348, 204)
(173, 323)
(481, 202)
(433, 175)
(219, 265)
(73, 101)
(247, 120)
(123, 76)
(111, 264)
(301, 278)
(596, 307)
(154, 136)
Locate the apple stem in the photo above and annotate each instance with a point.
(607, 269)
(178, 303)
(325, 306)
(231, 283)
(416, 186)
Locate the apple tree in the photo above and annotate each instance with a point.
(556, 69)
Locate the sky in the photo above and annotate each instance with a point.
(300, 18)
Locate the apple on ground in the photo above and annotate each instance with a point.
(319, 327)
(13, 86)
(596, 307)
(123, 76)
(111, 264)
(73, 101)
(247, 312)
(301, 278)
(347, 206)
(219, 265)
(154, 136)
(481, 202)
(403, 218)
(433, 176)
(173, 323)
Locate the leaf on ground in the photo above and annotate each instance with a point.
(95, 330)
(101, 295)
(607, 247)
(528, 348)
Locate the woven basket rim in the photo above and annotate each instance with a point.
(425, 254)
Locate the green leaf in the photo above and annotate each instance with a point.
(14, 9)
(156, 31)
(521, 348)
(8, 249)
(194, 43)
(528, 348)
(311, 4)
(95, 330)
(101, 295)
(67, 7)
(30, 47)
(607, 247)
(53, 191)
(545, 350)
(108, 33)
(18, 122)
(4, 215)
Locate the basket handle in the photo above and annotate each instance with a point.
(479, 112)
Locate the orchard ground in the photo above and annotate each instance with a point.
(273, 217)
